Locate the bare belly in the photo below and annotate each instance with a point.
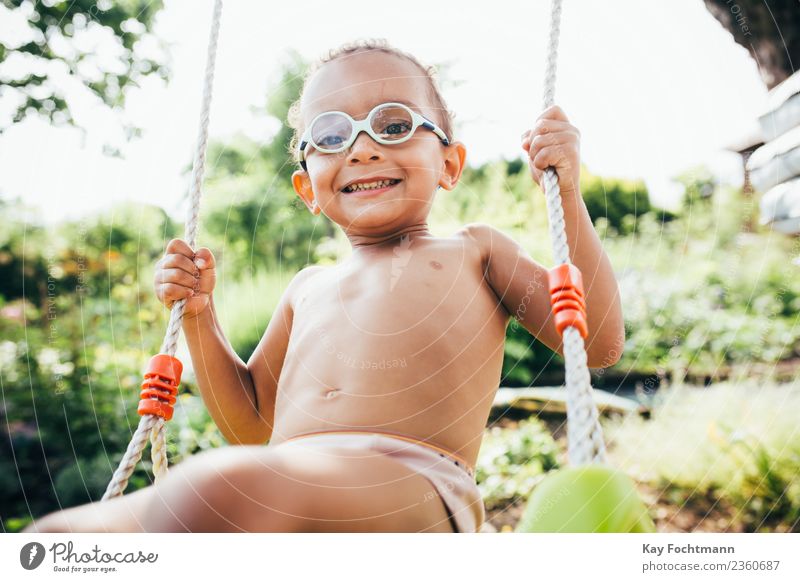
(422, 358)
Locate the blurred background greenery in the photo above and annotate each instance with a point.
(707, 303)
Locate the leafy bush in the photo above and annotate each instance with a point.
(527, 359)
(689, 304)
(71, 360)
(512, 460)
(191, 429)
(618, 202)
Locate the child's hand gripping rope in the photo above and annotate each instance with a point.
(183, 274)
(554, 141)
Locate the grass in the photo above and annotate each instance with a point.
(736, 443)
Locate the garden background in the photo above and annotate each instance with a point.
(710, 298)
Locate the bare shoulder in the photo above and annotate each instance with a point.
(477, 230)
(307, 273)
(483, 237)
(295, 287)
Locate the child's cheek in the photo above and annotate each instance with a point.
(322, 172)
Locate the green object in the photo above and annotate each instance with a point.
(586, 499)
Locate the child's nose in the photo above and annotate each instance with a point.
(364, 149)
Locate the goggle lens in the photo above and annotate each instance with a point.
(330, 131)
(392, 123)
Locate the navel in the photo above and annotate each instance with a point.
(436, 265)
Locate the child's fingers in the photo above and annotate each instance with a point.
(176, 277)
(546, 157)
(178, 261)
(169, 293)
(180, 247)
(546, 126)
(537, 175)
(200, 259)
(533, 145)
(554, 112)
(552, 156)
(183, 273)
(207, 281)
(204, 259)
(557, 140)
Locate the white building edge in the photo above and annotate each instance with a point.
(771, 156)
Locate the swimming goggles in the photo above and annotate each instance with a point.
(388, 123)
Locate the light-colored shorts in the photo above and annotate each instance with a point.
(452, 478)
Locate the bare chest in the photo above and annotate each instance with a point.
(404, 298)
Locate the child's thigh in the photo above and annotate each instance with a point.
(262, 489)
(120, 514)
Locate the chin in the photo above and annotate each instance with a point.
(373, 216)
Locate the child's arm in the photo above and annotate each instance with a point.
(226, 385)
(266, 362)
(521, 285)
(240, 397)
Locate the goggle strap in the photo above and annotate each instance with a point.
(430, 125)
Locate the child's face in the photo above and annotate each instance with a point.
(355, 85)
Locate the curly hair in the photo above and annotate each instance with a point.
(295, 118)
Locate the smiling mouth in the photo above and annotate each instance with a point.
(370, 186)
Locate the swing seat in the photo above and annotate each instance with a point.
(586, 499)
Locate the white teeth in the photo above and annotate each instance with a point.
(369, 185)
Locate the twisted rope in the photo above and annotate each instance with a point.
(151, 425)
(584, 434)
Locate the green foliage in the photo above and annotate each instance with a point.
(699, 186)
(63, 406)
(246, 306)
(735, 442)
(280, 99)
(21, 271)
(252, 215)
(497, 193)
(52, 26)
(619, 202)
(191, 429)
(72, 355)
(526, 358)
(84, 481)
(704, 299)
(512, 461)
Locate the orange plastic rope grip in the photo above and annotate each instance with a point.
(160, 386)
(566, 297)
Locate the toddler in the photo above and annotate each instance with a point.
(374, 380)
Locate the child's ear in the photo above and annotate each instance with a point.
(455, 158)
(301, 182)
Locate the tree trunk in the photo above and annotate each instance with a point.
(769, 30)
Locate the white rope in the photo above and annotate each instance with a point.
(584, 434)
(151, 425)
